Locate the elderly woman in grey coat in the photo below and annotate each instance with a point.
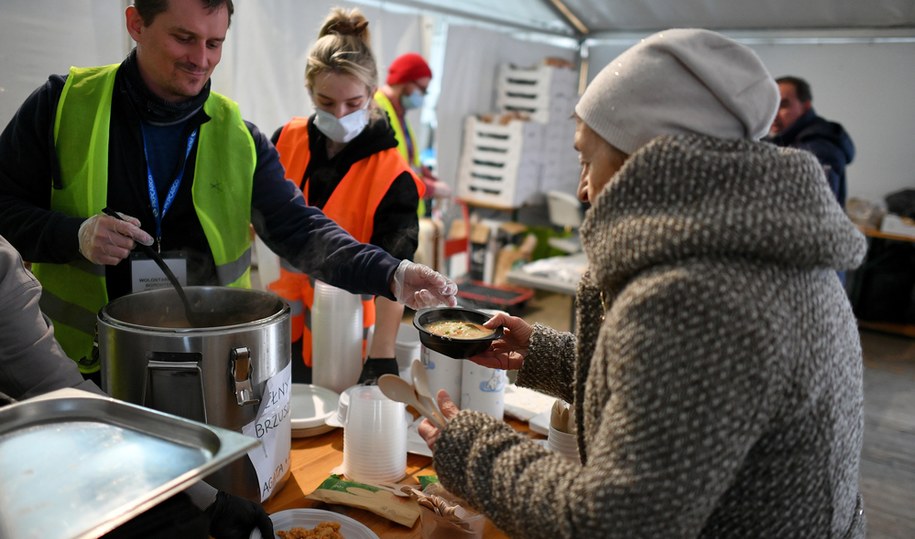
(716, 375)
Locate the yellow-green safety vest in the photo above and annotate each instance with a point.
(413, 160)
(75, 292)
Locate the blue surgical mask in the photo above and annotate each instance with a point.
(343, 129)
(412, 101)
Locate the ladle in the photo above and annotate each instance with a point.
(397, 389)
(195, 319)
(423, 390)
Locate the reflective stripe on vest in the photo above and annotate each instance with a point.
(75, 292)
(352, 205)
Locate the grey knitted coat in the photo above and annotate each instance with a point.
(716, 376)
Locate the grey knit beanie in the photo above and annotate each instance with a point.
(680, 81)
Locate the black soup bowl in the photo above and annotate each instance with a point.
(453, 348)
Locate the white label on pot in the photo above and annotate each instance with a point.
(273, 427)
(145, 274)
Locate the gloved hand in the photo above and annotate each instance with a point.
(106, 240)
(374, 367)
(233, 517)
(418, 286)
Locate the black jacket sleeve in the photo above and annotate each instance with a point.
(306, 238)
(28, 167)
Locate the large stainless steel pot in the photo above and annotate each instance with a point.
(234, 373)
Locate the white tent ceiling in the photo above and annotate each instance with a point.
(597, 18)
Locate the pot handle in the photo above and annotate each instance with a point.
(240, 359)
(165, 379)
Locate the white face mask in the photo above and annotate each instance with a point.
(412, 101)
(343, 129)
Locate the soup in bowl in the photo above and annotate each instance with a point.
(456, 332)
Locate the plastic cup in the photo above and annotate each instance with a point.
(564, 443)
(483, 389)
(407, 346)
(443, 373)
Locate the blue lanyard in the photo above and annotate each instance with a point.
(158, 212)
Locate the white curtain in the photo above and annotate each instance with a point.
(41, 37)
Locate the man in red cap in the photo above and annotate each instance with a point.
(408, 80)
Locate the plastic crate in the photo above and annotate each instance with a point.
(544, 93)
(500, 163)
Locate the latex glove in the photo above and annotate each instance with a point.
(429, 432)
(233, 517)
(509, 351)
(418, 286)
(106, 240)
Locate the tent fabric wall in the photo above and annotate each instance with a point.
(263, 66)
(869, 86)
(42, 37)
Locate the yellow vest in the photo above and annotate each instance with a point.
(413, 160)
(75, 292)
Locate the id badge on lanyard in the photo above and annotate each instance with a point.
(145, 274)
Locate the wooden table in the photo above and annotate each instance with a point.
(311, 462)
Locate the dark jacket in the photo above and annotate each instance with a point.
(716, 372)
(295, 231)
(828, 141)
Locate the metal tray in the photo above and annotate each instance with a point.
(76, 465)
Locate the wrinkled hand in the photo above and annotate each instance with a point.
(233, 517)
(509, 351)
(418, 286)
(430, 432)
(106, 240)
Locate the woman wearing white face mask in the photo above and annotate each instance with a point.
(344, 158)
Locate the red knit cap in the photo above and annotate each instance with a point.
(407, 68)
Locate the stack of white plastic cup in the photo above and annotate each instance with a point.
(483, 389)
(443, 373)
(336, 337)
(374, 437)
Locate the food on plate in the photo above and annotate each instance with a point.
(327, 529)
(458, 329)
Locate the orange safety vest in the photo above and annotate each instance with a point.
(352, 205)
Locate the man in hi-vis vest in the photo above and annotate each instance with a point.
(406, 86)
(149, 139)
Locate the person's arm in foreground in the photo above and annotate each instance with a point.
(316, 245)
(648, 472)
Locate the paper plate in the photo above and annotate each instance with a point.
(309, 518)
(311, 406)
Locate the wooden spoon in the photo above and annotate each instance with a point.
(396, 388)
(423, 389)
